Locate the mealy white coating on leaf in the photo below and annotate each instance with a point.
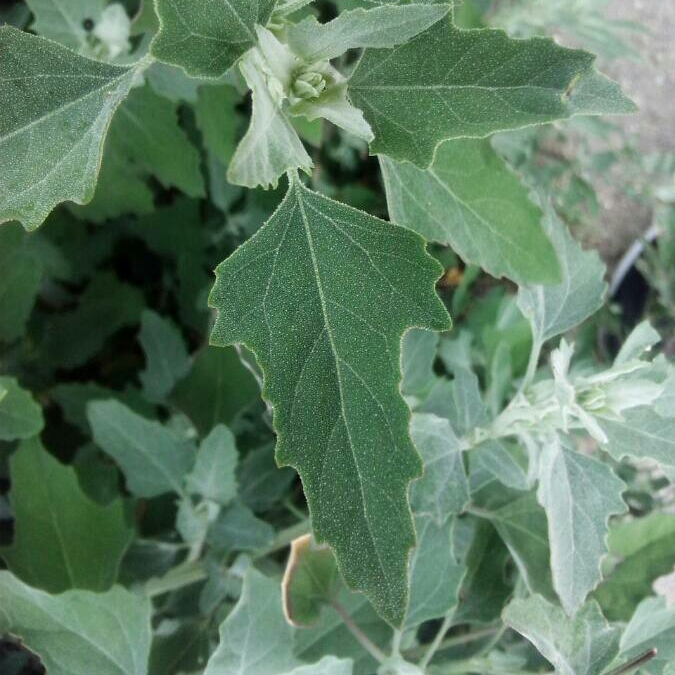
(583, 644)
(579, 494)
(152, 458)
(553, 310)
(271, 146)
(469, 199)
(384, 26)
(443, 490)
(51, 141)
(256, 639)
(63, 20)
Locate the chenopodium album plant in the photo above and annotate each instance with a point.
(469, 515)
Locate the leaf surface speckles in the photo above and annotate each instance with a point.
(451, 83)
(205, 38)
(56, 107)
(322, 294)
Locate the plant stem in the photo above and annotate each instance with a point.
(191, 571)
(532, 364)
(436, 643)
(356, 631)
(396, 643)
(635, 663)
(456, 641)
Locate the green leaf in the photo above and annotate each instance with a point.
(167, 360)
(271, 146)
(326, 329)
(384, 26)
(579, 495)
(469, 200)
(478, 82)
(443, 489)
(61, 539)
(153, 459)
(494, 458)
(645, 549)
(258, 620)
(642, 433)
(105, 306)
(521, 524)
(63, 20)
(652, 626)
(20, 281)
(553, 310)
(213, 475)
(261, 482)
(51, 135)
(205, 38)
(310, 582)
(584, 645)
(467, 410)
(146, 133)
(237, 529)
(641, 339)
(217, 120)
(418, 353)
(79, 632)
(665, 404)
(20, 415)
(435, 575)
(216, 389)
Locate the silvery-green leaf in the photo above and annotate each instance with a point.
(579, 494)
(384, 26)
(213, 475)
(20, 415)
(452, 83)
(494, 458)
(271, 146)
(470, 200)
(521, 524)
(642, 338)
(553, 310)
(418, 352)
(334, 106)
(642, 433)
(443, 489)
(582, 645)
(63, 20)
(665, 404)
(435, 575)
(468, 410)
(79, 632)
(652, 626)
(62, 540)
(205, 38)
(153, 459)
(238, 529)
(51, 140)
(256, 639)
(166, 357)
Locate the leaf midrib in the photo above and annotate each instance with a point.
(337, 359)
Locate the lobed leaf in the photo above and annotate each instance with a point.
(79, 632)
(469, 200)
(326, 329)
(205, 38)
(57, 107)
(579, 495)
(62, 540)
(450, 83)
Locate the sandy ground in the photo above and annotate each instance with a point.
(651, 84)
